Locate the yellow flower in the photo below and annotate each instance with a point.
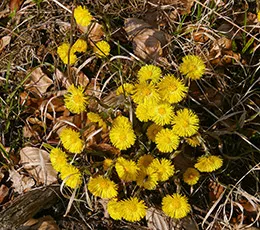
(102, 187)
(167, 141)
(193, 141)
(149, 73)
(58, 159)
(258, 16)
(172, 89)
(147, 178)
(114, 209)
(122, 134)
(133, 209)
(162, 113)
(101, 49)
(71, 176)
(152, 131)
(126, 89)
(191, 176)
(175, 206)
(94, 117)
(107, 163)
(208, 163)
(185, 123)
(146, 93)
(126, 169)
(192, 66)
(75, 99)
(142, 112)
(71, 140)
(163, 168)
(82, 16)
(145, 160)
(63, 52)
(79, 46)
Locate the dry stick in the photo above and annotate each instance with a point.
(62, 6)
(232, 23)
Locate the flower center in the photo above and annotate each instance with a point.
(162, 111)
(147, 92)
(122, 137)
(176, 204)
(173, 87)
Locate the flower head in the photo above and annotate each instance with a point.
(71, 140)
(208, 163)
(126, 88)
(146, 93)
(102, 187)
(185, 123)
(63, 52)
(142, 112)
(75, 99)
(82, 16)
(162, 113)
(79, 46)
(102, 49)
(192, 66)
(71, 176)
(172, 89)
(193, 141)
(152, 131)
(191, 176)
(149, 73)
(58, 159)
(114, 208)
(122, 134)
(133, 209)
(94, 117)
(163, 168)
(175, 206)
(126, 169)
(147, 178)
(144, 161)
(167, 141)
(107, 163)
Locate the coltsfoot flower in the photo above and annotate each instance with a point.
(191, 176)
(71, 140)
(102, 49)
(185, 123)
(144, 161)
(152, 131)
(114, 209)
(126, 169)
(107, 163)
(75, 100)
(102, 187)
(150, 73)
(63, 52)
(162, 113)
(126, 88)
(94, 117)
(192, 66)
(163, 168)
(172, 89)
(82, 16)
(147, 178)
(167, 141)
(71, 176)
(58, 159)
(79, 46)
(142, 112)
(175, 206)
(208, 163)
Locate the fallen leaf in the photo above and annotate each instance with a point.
(4, 190)
(96, 33)
(39, 82)
(43, 223)
(15, 4)
(4, 41)
(37, 162)
(156, 219)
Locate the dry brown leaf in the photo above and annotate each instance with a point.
(37, 162)
(4, 41)
(43, 223)
(21, 183)
(62, 79)
(96, 33)
(39, 82)
(148, 43)
(4, 190)
(156, 219)
(15, 4)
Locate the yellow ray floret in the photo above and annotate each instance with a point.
(82, 16)
(94, 117)
(144, 161)
(102, 49)
(152, 131)
(150, 73)
(147, 178)
(64, 51)
(142, 112)
(58, 159)
(172, 89)
(71, 176)
(126, 169)
(75, 100)
(162, 113)
(133, 209)
(192, 66)
(107, 163)
(71, 140)
(175, 206)
(126, 88)
(102, 187)
(163, 168)
(167, 141)
(208, 163)
(193, 141)
(191, 176)
(114, 209)
(79, 46)
(185, 123)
